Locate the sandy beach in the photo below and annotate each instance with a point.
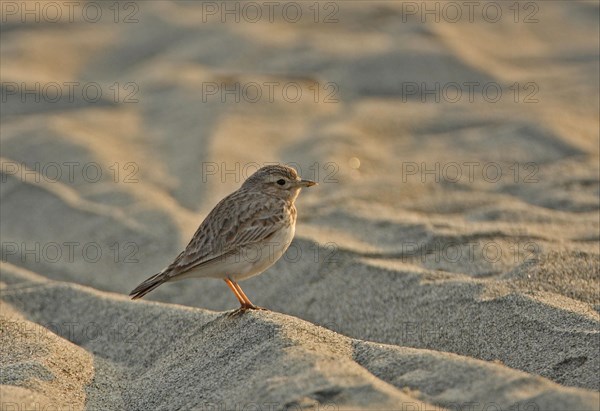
(448, 259)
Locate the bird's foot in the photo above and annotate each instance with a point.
(256, 307)
(246, 307)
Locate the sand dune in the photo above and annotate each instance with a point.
(202, 359)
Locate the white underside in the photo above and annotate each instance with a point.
(248, 262)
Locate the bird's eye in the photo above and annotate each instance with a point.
(281, 181)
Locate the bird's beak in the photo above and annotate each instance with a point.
(307, 183)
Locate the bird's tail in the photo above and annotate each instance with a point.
(148, 285)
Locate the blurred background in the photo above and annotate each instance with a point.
(456, 147)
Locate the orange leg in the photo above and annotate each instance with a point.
(245, 302)
(245, 297)
(235, 291)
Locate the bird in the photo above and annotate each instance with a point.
(243, 235)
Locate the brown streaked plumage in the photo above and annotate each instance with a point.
(258, 219)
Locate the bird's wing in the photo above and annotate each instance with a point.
(239, 220)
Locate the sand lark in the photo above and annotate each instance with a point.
(242, 236)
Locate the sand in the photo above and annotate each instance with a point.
(448, 259)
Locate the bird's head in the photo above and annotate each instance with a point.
(277, 180)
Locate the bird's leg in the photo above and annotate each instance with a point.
(248, 304)
(235, 291)
(245, 303)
